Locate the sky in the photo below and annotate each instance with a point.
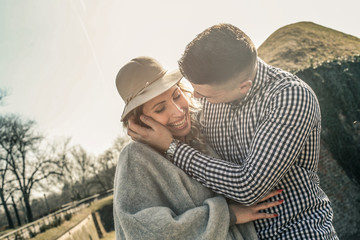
(59, 58)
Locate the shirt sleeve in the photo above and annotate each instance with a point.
(291, 116)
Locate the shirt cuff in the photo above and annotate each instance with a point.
(183, 156)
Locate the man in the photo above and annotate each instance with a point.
(263, 122)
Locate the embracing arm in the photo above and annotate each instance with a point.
(277, 142)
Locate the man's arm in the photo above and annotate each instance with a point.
(278, 140)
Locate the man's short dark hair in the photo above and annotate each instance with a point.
(217, 55)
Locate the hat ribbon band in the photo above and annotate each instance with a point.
(143, 88)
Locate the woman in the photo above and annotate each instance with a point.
(153, 199)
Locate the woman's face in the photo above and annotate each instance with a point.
(171, 109)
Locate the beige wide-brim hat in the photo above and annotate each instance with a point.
(142, 79)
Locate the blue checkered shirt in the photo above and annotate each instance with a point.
(270, 140)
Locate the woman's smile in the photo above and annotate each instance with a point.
(179, 124)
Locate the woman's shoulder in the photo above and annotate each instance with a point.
(137, 148)
(133, 145)
(138, 152)
(136, 155)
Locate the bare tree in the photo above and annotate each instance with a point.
(15, 210)
(56, 149)
(4, 167)
(77, 173)
(104, 170)
(26, 162)
(105, 164)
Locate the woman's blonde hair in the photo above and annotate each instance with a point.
(195, 139)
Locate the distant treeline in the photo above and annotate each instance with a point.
(29, 161)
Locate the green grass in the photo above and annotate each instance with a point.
(301, 45)
(101, 203)
(109, 236)
(7, 231)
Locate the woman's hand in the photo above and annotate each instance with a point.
(246, 214)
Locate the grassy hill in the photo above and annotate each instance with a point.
(304, 44)
(329, 61)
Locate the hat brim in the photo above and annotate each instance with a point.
(153, 90)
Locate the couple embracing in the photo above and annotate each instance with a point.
(236, 158)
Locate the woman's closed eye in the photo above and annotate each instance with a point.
(160, 109)
(162, 106)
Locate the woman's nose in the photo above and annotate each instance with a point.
(177, 110)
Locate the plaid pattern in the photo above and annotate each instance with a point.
(269, 141)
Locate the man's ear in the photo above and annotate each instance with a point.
(245, 86)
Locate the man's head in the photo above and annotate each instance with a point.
(222, 57)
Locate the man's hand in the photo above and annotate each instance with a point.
(156, 136)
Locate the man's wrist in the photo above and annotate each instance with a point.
(169, 153)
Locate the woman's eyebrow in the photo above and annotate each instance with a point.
(174, 92)
(164, 100)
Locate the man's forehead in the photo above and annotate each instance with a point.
(211, 90)
(204, 90)
(204, 87)
(201, 95)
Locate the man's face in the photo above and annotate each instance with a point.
(232, 91)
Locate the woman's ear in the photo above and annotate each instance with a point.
(245, 86)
